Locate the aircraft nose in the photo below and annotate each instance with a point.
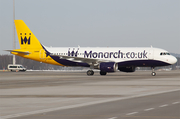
(173, 60)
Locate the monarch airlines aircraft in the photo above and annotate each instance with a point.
(106, 59)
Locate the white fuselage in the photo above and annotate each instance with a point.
(115, 54)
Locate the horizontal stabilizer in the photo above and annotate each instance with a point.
(22, 52)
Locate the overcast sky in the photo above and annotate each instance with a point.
(96, 23)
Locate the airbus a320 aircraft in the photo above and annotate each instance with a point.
(106, 59)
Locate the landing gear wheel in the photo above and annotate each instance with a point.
(103, 73)
(90, 72)
(153, 74)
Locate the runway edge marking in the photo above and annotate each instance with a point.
(81, 105)
(132, 113)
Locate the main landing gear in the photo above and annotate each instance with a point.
(90, 72)
(153, 72)
(103, 73)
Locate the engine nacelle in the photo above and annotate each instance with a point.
(127, 69)
(108, 66)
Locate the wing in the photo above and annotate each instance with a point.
(89, 61)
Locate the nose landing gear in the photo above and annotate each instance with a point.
(153, 72)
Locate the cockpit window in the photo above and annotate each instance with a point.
(164, 53)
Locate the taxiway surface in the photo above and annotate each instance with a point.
(73, 95)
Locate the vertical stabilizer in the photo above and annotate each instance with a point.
(27, 40)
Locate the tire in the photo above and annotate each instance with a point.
(103, 73)
(153, 73)
(90, 72)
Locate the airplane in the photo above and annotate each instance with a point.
(105, 59)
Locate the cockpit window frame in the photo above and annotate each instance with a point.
(165, 53)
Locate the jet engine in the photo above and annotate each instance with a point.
(108, 66)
